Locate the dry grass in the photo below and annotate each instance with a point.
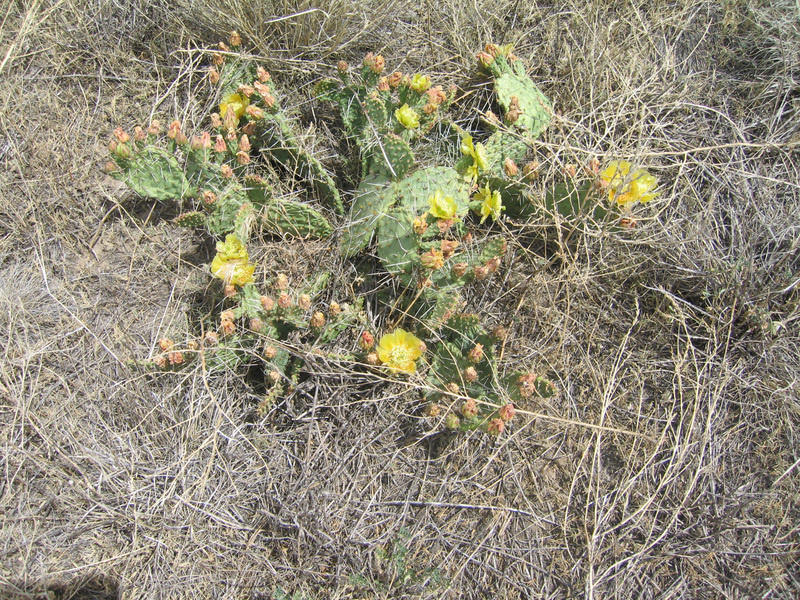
(667, 466)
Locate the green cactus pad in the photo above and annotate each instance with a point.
(413, 191)
(397, 242)
(258, 190)
(154, 173)
(499, 147)
(396, 155)
(512, 81)
(368, 205)
(193, 219)
(286, 217)
(494, 248)
(536, 108)
(375, 109)
(223, 218)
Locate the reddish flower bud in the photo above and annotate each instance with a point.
(270, 352)
(242, 157)
(226, 328)
(175, 358)
(469, 409)
(317, 320)
(121, 136)
(395, 79)
(262, 74)
(256, 325)
(342, 66)
(510, 168)
(507, 412)
(139, 134)
(235, 39)
(335, 309)
(366, 341)
(226, 171)
(267, 303)
(211, 338)
(174, 129)
(282, 282)
(284, 300)
(213, 76)
(481, 273)
(219, 144)
(476, 354)
(470, 374)
(254, 112)
(451, 421)
(495, 427)
(452, 387)
(499, 333)
(433, 410)
(460, 269)
(244, 144)
(155, 128)
(448, 248)
(249, 128)
(165, 344)
(246, 90)
(527, 384)
(372, 359)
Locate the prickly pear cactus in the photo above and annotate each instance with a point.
(295, 219)
(524, 104)
(152, 172)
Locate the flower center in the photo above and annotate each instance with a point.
(399, 355)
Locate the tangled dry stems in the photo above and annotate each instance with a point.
(665, 468)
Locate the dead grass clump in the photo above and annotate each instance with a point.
(666, 467)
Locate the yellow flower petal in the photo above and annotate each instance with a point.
(441, 206)
(231, 263)
(399, 351)
(407, 116)
(235, 102)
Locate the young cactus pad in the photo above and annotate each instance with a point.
(153, 173)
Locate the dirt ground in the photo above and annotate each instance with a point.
(668, 464)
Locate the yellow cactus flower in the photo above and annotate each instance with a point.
(420, 83)
(478, 154)
(235, 102)
(441, 206)
(399, 351)
(625, 187)
(407, 116)
(232, 262)
(491, 203)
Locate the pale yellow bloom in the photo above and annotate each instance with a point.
(441, 206)
(232, 262)
(478, 154)
(235, 102)
(420, 83)
(625, 187)
(399, 351)
(491, 203)
(407, 116)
